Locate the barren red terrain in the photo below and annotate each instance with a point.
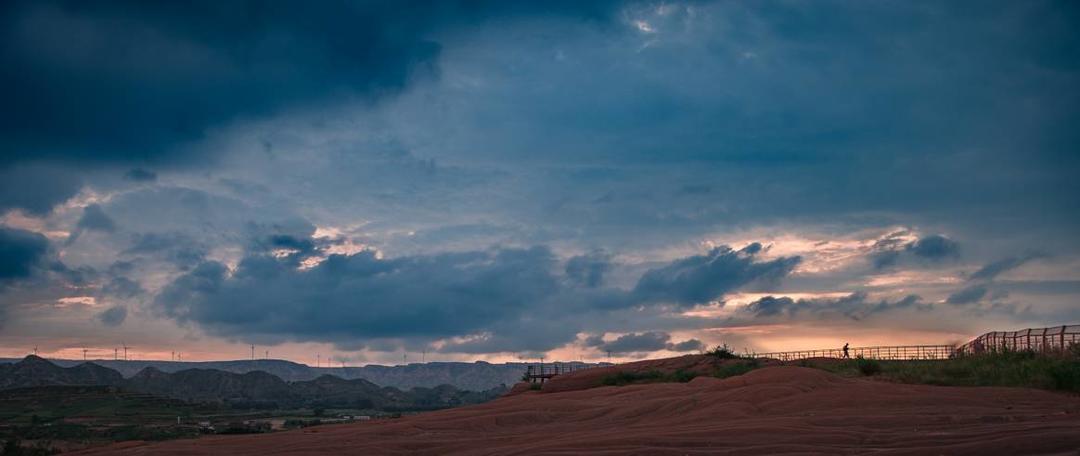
(773, 410)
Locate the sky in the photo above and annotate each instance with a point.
(387, 182)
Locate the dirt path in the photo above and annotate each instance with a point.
(773, 410)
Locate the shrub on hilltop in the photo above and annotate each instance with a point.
(867, 367)
(723, 352)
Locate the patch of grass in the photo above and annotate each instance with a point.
(733, 369)
(535, 386)
(1017, 369)
(1074, 350)
(679, 376)
(626, 378)
(683, 376)
(867, 367)
(13, 447)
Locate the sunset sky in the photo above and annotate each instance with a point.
(508, 180)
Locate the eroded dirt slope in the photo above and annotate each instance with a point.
(773, 410)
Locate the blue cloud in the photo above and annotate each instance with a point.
(21, 253)
(644, 342)
(495, 294)
(991, 270)
(856, 306)
(934, 247)
(116, 80)
(968, 295)
(702, 278)
(113, 316)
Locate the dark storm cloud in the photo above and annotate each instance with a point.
(771, 306)
(702, 278)
(643, 342)
(968, 295)
(491, 296)
(422, 129)
(884, 259)
(991, 270)
(123, 80)
(292, 235)
(21, 253)
(30, 271)
(855, 306)
(588, 270)
(687, 345)
(894, 249)
(113, 316)
(648, 341)
(981, 281)
(36, 187)
(934, 247)
(177, 248)
(360, 296)
(95, 219)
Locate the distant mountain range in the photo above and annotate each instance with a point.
(476, 376)
(254, 389)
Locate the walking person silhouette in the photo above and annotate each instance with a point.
(846, 350)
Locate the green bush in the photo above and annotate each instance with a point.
(1074, 350)
(722, 352)
(867, 367)
(682, 376)
(733, 369)
(14, 448)
(1065, 376)
(625, 377)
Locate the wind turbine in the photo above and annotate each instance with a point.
(35, 350)
(84, 354)
(124, 344)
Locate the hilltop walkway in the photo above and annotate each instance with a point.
(1054, 339)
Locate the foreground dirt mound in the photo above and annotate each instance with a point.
(772, 410)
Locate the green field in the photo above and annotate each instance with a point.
(1015, 369)
(41, 419)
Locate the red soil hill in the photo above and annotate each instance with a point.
(774, 410)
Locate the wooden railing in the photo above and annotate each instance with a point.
(1057, 339)
(544, 371)
(899, 352)
(1042, 340)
